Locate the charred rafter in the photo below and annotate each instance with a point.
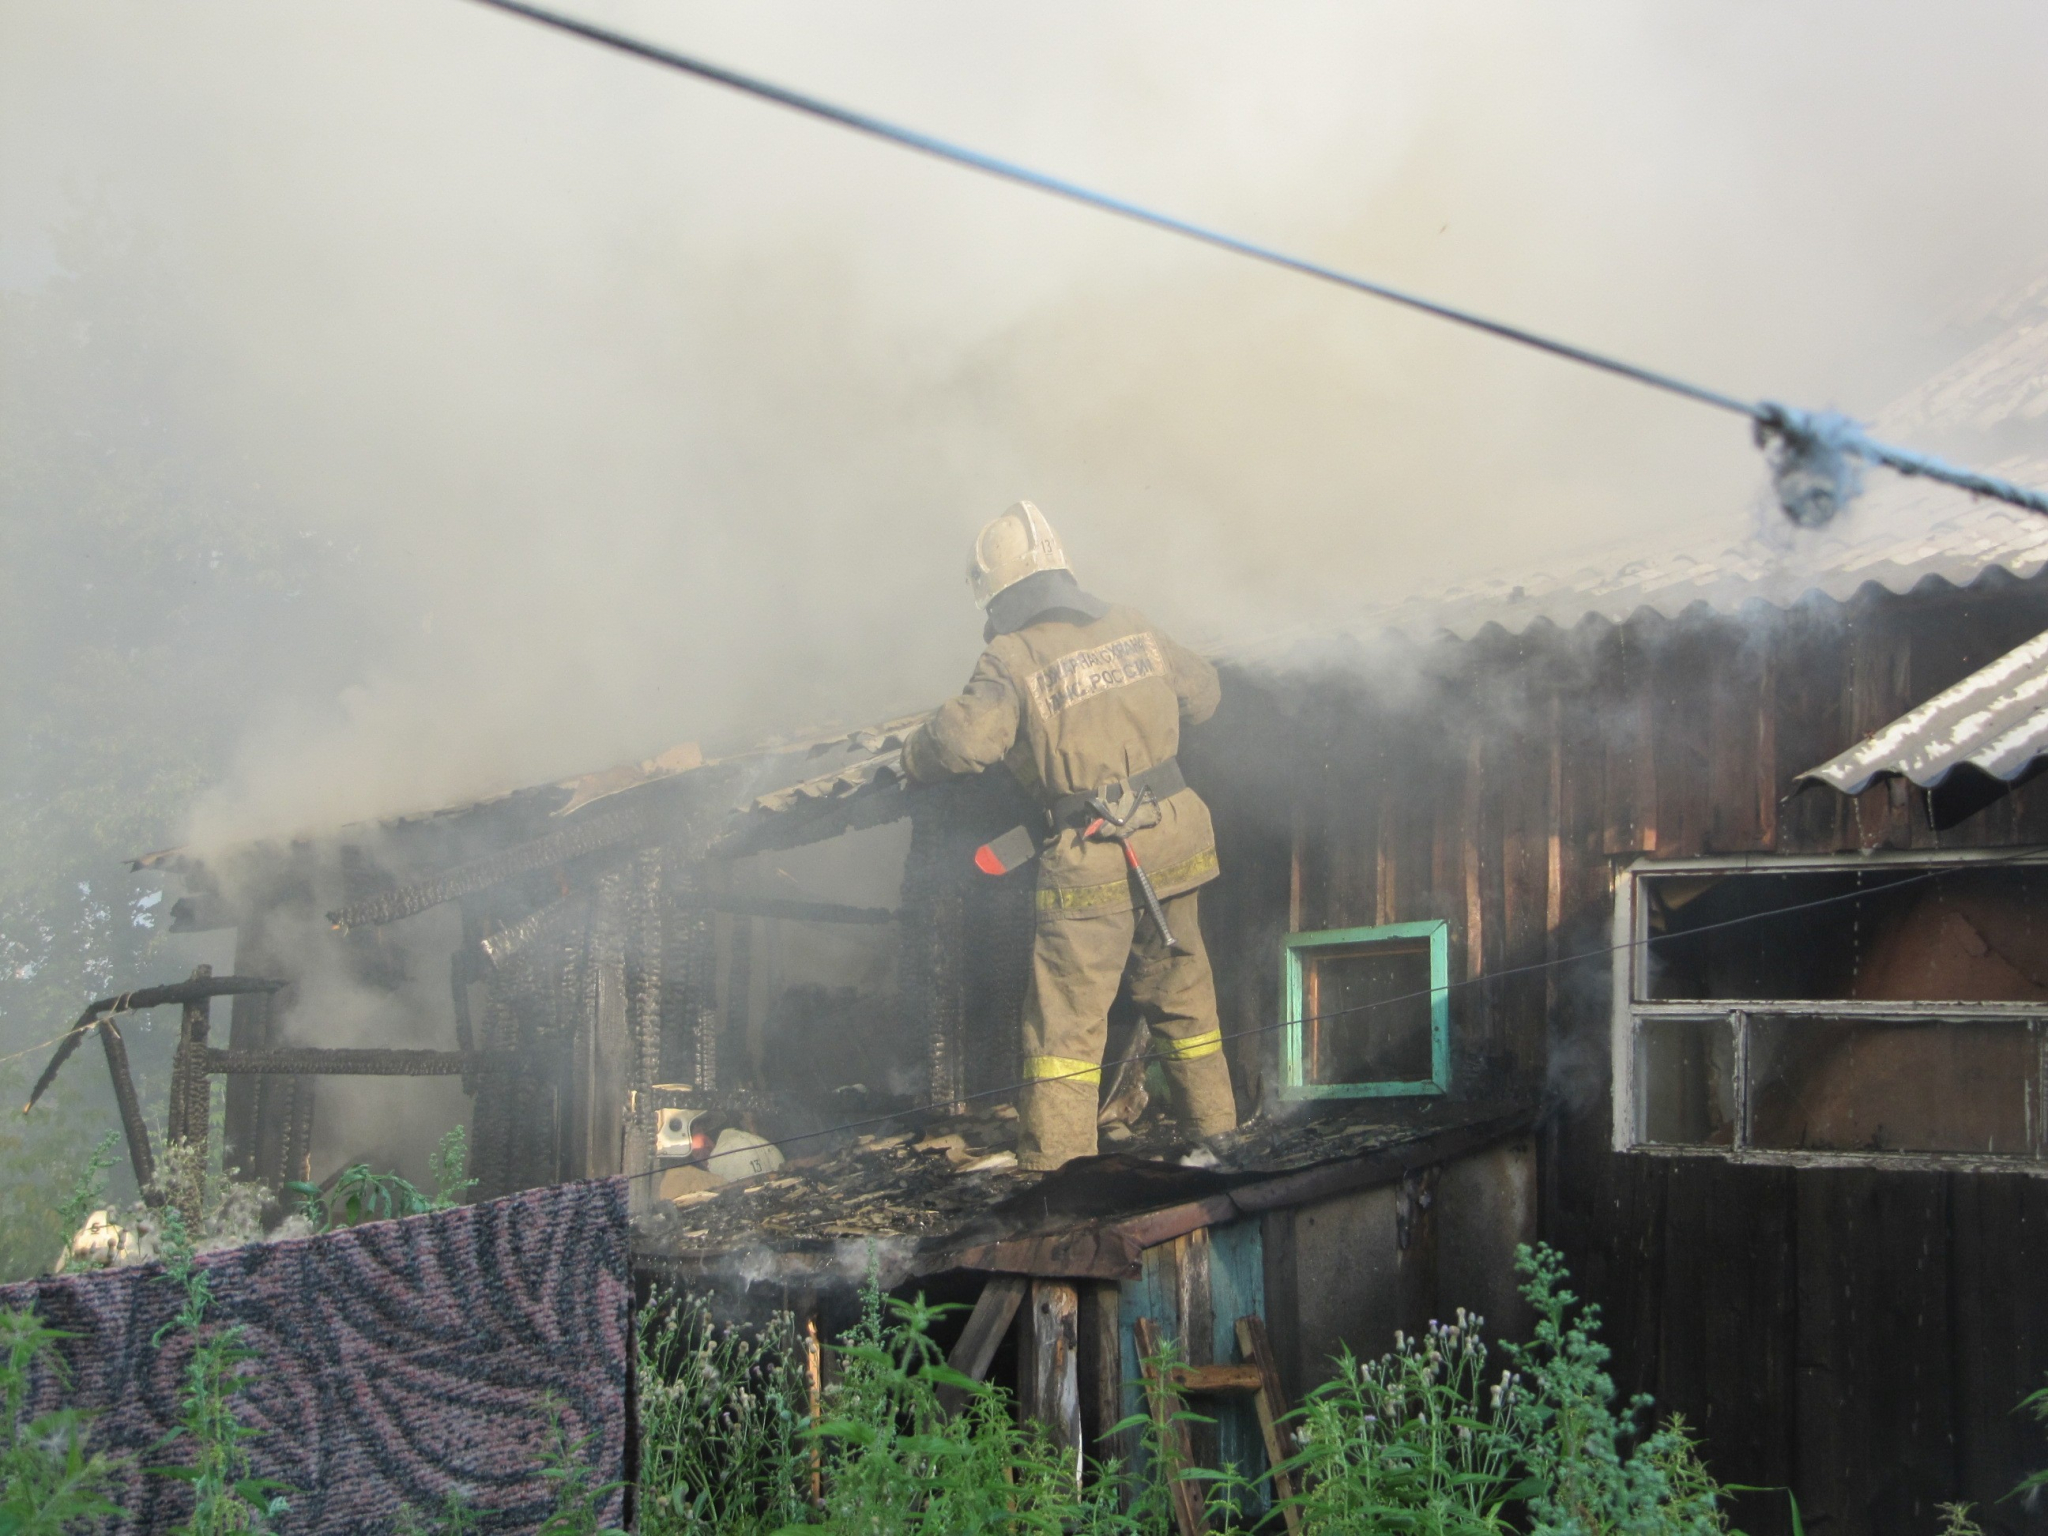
(195, 990)
(467, 879)
(324, 1061)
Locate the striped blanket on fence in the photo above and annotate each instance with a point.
(397, 1362)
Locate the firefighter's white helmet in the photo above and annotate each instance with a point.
(1020, 543)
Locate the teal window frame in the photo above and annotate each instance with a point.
(1294, 1080)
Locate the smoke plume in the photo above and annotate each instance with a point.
(634, 412)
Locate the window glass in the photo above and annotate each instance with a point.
(1686, 1072)
(1893, 932)
(1861, 1086)
(1368, 1011)
(1874, 1007)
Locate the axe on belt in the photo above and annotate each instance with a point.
(1111, 815)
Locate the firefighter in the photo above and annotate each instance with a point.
(1084, 702)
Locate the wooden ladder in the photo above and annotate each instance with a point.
(1256, 1378)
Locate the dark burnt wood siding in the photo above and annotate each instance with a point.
(1860, 1336)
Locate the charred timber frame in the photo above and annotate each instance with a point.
(467, 879)
(366, 1061)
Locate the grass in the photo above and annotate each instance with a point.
(50, 1481)
(1439, 1437)
(1425, 1440)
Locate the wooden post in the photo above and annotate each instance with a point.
(191, 1095)
(986, 1325)
(1102, 1369)
(814, 1375)
(140, 1158)
(1049, 1382)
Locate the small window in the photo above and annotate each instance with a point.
(1844, 1009)
(1367, 1011)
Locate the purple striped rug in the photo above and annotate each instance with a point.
(397, 1361)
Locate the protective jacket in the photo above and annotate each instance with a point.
(1071, 703)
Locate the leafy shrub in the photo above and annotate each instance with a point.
(723, 1420)
(361, 1194)
(226, 1498)
(49, 1481)
(1404, 1443)
(895, 1461)
(1573, 1441)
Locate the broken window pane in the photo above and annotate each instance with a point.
(1827, 1085)
(1903, 932)
(1912, 938)
(1685, 1077)
(1367, 1009)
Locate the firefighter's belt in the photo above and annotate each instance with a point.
(1020, 845)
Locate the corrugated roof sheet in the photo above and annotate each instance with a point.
(1897, 534)
(1995, 720)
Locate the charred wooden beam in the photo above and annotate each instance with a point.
(539, 923)
(324, 1061)
(467, 879)
(140, 1158)
(1089, 1252)
(202, 912)
(813, 821)
(191, 1094)
(133, 1002)
(1375, 1168)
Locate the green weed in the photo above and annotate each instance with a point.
(362, 1194)
(2029, 1487)
(1416, 1440)
(226, 1497)
(49, 1480)
(1584, 1477)
(723, 1416)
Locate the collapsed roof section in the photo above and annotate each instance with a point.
(770, 797)
(948, 1196)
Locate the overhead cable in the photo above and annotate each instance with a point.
(1809, 450)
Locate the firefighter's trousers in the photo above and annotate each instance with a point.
(1076, 967)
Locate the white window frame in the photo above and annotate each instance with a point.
(1631, 934)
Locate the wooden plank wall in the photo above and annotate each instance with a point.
(1858, 1336)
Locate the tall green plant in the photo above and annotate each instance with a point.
(450, 1168)
(1414, 1441)
(49, 1480)
(361, 1194)
(723, 1419)
(1586, 1478)
(90, 1192)
(226, 1496)
(896, 1461)
(578, 1493)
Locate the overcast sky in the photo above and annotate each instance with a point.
(657, 413)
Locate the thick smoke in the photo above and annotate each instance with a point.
(646, 413)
